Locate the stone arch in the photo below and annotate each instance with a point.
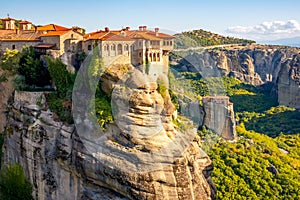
(126, 47)
(154, 57)
(150, 55)
(120, 49)
(113, 47)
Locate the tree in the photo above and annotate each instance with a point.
(31, 67)
(13, 184)
(62, 79)
(9, 64)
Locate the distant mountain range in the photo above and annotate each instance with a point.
(294, 42)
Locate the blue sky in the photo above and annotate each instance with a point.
(216, 16)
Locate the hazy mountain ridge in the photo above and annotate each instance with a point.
(293, 42)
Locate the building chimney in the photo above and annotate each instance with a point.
(140, 28)
(156, 31)
(127, 28)
(106, 29)
(144, 28)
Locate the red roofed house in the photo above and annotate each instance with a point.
(52, 39)
(62, 40)
(138, 46)
(13, 38)
(114, 46)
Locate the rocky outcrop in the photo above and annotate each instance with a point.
(6, 88)
(219, 116)
(288, 83)
(254, 64)
(62, 164)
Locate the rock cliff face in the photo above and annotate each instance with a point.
(288, 82)
(219, 116)
(6, 89)
(59, 164)
(256, 64)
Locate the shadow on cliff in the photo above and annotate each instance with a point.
(252, 99)
(287, 122)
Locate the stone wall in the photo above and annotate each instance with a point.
(18, 44)
(68, 42)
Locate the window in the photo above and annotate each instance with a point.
(106, 48)
(140, 54)
(113, 47)
(72, 35)
(170, 43)
(158, 58)
(120, 49)
(140, 44)
(13, 46)
(164, 43)
(89, 47)
(126, 47)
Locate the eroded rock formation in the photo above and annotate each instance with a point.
(141, 156)
(6, 88)
(288, 83)
(219, 116)
(255, 64)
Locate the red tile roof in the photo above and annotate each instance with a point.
(52, 27)
(12, 35)
(129, 35)
(25, 22)
(115, 37)
(54, 33)
(95, 35)
(141, 35)
(7, 19)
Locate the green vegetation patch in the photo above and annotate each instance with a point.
(13, 183)
(255, 167)
(205, 38)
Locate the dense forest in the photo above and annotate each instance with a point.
(264, 162)
(205, 38)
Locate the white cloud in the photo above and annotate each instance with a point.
(267, 30)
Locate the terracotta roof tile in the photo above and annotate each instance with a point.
(130, 35)
(113, 37)
(54, 33)
(25, 22)
(7, 19)
(143, 35)
(12, 35)
(52, 27)
(95, 35)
